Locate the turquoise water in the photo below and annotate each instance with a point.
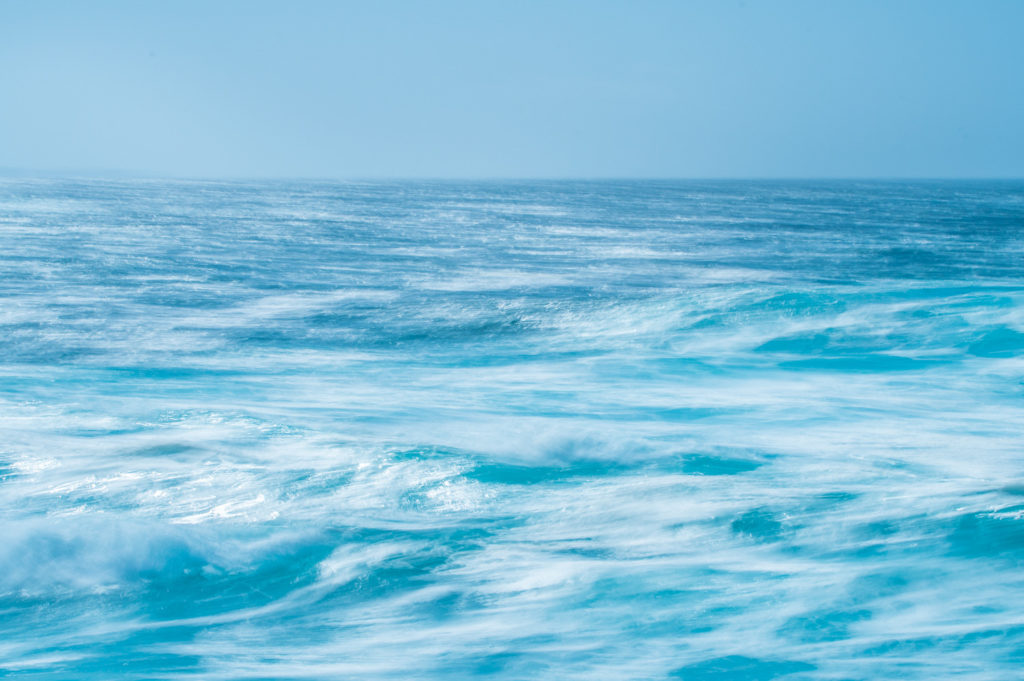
(633, 430)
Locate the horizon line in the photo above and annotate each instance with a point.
(69, 174)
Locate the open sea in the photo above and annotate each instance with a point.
(710, 431)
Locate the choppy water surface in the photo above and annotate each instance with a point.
(704, 431)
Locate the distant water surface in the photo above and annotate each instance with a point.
(616, 430)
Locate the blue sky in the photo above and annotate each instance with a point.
(514, 89)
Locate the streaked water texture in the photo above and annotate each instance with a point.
(614, 431)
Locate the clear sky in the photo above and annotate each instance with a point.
(729, 88)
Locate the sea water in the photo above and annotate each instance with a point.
(529, 430)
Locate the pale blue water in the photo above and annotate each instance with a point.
(627, 430)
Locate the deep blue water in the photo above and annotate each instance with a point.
(619, 430)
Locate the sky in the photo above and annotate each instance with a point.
(488, 89)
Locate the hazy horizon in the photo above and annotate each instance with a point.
(117, 175)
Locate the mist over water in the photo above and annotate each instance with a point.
(535, 430)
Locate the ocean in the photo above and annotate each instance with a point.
(609, 430)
